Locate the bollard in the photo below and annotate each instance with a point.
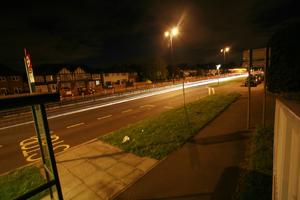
(211, 90)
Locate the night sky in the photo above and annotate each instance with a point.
(102, 33)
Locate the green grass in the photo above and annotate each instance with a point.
(158, 136)
(19, 182)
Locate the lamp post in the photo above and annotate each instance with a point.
(224, 51)
(170, 34)
(218, 68)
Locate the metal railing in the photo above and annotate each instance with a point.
(37, 101)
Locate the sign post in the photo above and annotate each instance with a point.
(29, 71)
(249, 90)
(43, 133)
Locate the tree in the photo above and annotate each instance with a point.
(283, 73)
(154, 69)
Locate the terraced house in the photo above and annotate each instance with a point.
(11, 82)
(70, 80)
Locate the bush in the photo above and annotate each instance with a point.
(284, 67)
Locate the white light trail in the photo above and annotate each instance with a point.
(171, 89)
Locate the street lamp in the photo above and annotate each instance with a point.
(224, 51)
(170, 34)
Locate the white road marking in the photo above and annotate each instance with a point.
(107, 116)
(168, 107)
(126, 111)
(10, 115)
(170, 89)
(74, 125)
(147, 106)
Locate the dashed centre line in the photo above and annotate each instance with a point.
(104, 117)
(75, 125)
(126, 111)
(147, 106)
(168, 107)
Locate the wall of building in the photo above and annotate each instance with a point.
(12, 84)
(286, 160)
(115, 78)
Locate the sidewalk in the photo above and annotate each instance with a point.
(207, 167)
(96, 170)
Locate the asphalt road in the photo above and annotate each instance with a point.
(80, 123)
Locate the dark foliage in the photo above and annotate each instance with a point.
(284, 70)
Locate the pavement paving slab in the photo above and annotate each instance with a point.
(96, 170)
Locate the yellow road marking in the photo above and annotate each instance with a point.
(31, 150)
(125, 111)
(104, 117)
(74, 125)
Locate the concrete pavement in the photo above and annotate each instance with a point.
(95, 170)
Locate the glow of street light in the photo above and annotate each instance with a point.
(167, 34)
(222, 50)
(218, 66)
(227, 49)
(174, 31)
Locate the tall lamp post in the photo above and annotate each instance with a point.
(218, 68)
(170, 34)
(224, 51)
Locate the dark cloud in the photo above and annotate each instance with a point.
(129, 31)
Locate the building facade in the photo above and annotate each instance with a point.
(69, 80)
(11, 82)
(115, 79)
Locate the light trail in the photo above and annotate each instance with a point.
(171, 89)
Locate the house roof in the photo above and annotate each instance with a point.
(50, 69)
(6, 71)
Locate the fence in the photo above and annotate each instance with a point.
(286, 162)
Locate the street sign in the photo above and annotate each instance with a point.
(28, 65)
(29, 71)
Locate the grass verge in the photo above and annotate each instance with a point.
(19, 182)
(158, 136)
(256, 177)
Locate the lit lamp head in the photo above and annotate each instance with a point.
(174, 31)
(227, 49)
(167, 34)
(218, 66)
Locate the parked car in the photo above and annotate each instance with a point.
(66, 92)
(253, 81)
(260, 77)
